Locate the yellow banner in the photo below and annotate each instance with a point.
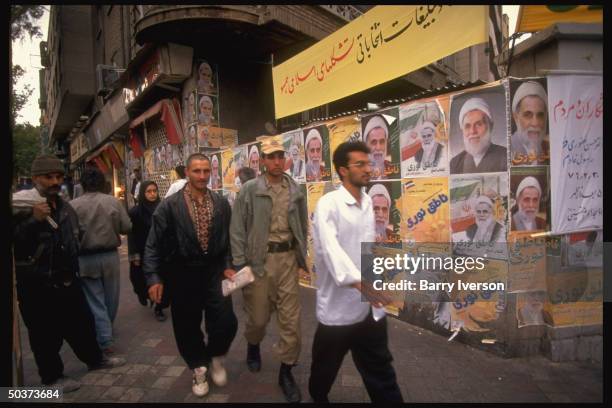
(535, 18)
(384, 43)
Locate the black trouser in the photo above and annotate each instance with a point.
(367, 341)
(52, 315)
(194, 289)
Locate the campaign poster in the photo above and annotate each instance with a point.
(295, 158)
(253, 158)
(583, 249)
(478, 131)
(386, 204)
(189, 106)
(318, 157)
(380, 132)
(216, 137)
(479, 213)
(526, 263)
(425, 210)
(229, 137)
(575, 296)
(227, 166)
(347, 129)
(239, 160)
(529, 137)
(479, 310)
(314, 191)
(530, 308)
(575, 111)
(206, 78)
(423, 139)
(208, 110)
(529, 199)
(190, 144)
(216, 180)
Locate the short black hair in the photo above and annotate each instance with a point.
(93, 180)
(196, 156)
(180, 170)
(245, 174)
(341, 154)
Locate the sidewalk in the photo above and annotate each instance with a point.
(429, 368)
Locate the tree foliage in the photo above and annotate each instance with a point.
(19, 98)
(26, 146)
(23, 21)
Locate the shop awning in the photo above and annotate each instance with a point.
(105, 156)
(170, 114)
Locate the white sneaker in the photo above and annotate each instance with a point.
(217, 371)
(200, 385)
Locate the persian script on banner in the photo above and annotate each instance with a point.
(382, 44)
(575, 109)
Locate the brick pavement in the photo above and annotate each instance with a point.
(429, 368)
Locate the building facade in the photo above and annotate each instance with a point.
(89, 47)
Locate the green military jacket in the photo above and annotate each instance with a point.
(250, 223)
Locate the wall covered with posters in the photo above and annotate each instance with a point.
(467, 172)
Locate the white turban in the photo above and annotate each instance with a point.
(379, 189)
(428, 124)
(373, 123)
(253, 150)
(529, 88)
(474, 104)
(483, 199)
(205, 98)
(313, 134)
(528, 181)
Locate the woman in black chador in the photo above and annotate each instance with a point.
(141, 215)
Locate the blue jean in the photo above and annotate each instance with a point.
(100, 277)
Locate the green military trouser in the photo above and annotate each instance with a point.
(277, 289)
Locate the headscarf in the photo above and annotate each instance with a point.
(146, 205)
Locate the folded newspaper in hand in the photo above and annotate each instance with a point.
(29, 198)
(242, 278)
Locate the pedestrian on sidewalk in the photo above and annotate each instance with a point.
(135, 187)
(51, 301)
(141, 216)
(190, 231)
(102, 218)
(344, 219)
(178, 184)
(268, 233)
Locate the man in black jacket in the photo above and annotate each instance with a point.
(51, 301)
(190, 230)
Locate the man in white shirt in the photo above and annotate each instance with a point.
(343, 220)
(178, 184)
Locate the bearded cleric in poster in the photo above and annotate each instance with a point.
(529, 141)
(474, 133)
